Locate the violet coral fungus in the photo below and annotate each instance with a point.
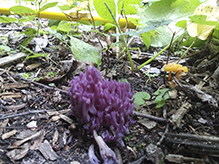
(102, 105)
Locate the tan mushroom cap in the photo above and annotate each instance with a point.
(175, 68)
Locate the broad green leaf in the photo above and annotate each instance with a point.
(153, 24)
(168, 10)
(5, 19)
(5, 48)
(163, 37)
(162, 95)
(186, 6)
(48, 5)
(135, 21)
(108, 26)
(201, 19)
(102, 9)
(160, 103)
(146, 38)
(161, 91)
(123, 80)
(30, 31)
(140, 97)
(128, 6)
(27, 41)
(65, 7)
(65, 26)
(84, 52)
(21, 10)
(26, 18)
(198, 43)
(98, 22)
(53, 22)
(181, 23)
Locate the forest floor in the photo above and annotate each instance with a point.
(37, 126)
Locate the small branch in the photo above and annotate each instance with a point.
(42, 85)
(22, 114)
(149, 116)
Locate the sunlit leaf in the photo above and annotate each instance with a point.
(84, 52)
(21, 10)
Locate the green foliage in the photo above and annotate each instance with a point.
(4, 49)
(84, 52)
(127, 6)
(34, 55)
(47, 6)
(140, 97)
(108, 26)
(162, 96)
(27, 75)
(5, 19)
(21, 10)
(201, 19)
(51, 74)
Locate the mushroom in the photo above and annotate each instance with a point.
(176, 68)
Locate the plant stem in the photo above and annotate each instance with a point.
(186, 51)
(148, 61)
(123, 39)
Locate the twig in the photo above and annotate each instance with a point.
(22, 114)
(42, 85)
(163, 136)
(195, 137)
(149, 116)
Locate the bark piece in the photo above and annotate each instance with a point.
(46, 149)
(11, 59)
(177, 117)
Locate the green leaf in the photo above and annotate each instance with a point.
(21, 10)
(186, 6)
(199, 43)
(128, 6)
(65, 7)
(102, 10)
(161, 91)
(201, 19)
(160, 99)
(26, 18)
(182, 23)
(30, 31)
(53, 22)
(108, 26)
(160, 103)
(153, 24)
(140, 97)
(5, 19)
(146, 38)
(27, 41)
(123, 80)
(65, 26)
(36, 55)
(163, 37)
(84, 52)
(5, 48)
(48, 5)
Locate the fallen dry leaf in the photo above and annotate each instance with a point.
(17, 154)
(9, 134)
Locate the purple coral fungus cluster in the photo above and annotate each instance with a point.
(102, 105)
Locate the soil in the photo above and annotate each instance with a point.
(38, 114)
